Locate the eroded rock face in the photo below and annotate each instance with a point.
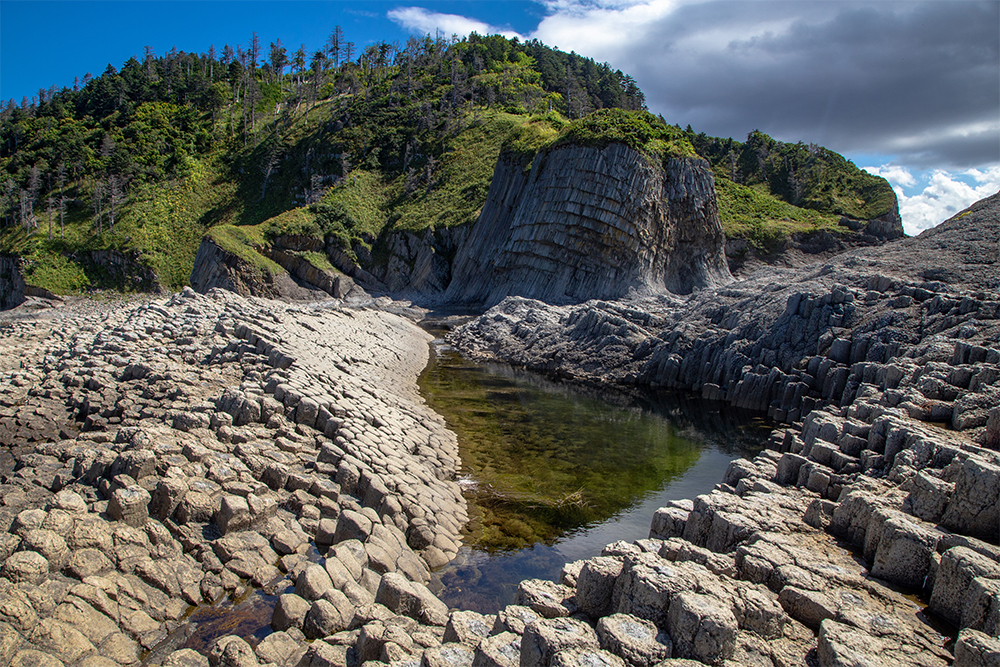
(589, 223)
(11, 282)
(214, 267)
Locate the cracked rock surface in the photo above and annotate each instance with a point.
(163, 454)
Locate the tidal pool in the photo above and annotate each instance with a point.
(553, 472)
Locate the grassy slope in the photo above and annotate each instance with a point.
(365, 205)
(226, 197)
(163, 223)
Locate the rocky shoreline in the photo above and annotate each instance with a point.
(884, 364)
(165, 454)
(169, 453)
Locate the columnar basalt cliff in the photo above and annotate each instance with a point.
(583, 222)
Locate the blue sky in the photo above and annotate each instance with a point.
(909, 90)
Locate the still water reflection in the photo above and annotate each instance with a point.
(553, 472)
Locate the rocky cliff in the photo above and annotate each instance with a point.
(782, 340)
(886, 365)
(585, 222)
(215, 267)
(293, 278)
(11, 282)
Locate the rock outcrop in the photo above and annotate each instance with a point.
(160, 454)
(865, 357)
(215, 267)
(782, 340)
(11, 282)
(581, 223)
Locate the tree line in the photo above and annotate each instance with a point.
(86, 146)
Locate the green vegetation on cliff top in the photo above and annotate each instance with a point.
(639, 130)
(144, 161)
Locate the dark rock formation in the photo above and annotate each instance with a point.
(11, 282)
(588, 223)
(781, 340)
(420, 263)
(214, 267)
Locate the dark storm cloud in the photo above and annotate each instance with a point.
(920, 81)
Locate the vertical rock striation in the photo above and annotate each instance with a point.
(581, 223)
(11, 282)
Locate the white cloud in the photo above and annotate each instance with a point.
(426, 22)
(943, 193)
(918, 80)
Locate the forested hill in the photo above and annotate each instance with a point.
(114, 182)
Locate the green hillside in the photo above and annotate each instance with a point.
(247, 145)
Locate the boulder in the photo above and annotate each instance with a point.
(637, 641)
(411, 599)
(325, 618)
(595, 584)
(959, 566)
(841, 644)
(543, 639)
(130, 505)
(467, 627)
(313, 582)
(974, 508)
(289, 612)
(702, 627)
(976, 649)
(26, 566)
(499, 650)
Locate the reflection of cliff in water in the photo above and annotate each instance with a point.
(716, 423)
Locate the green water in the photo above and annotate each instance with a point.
(539, 459)
(553, 472)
